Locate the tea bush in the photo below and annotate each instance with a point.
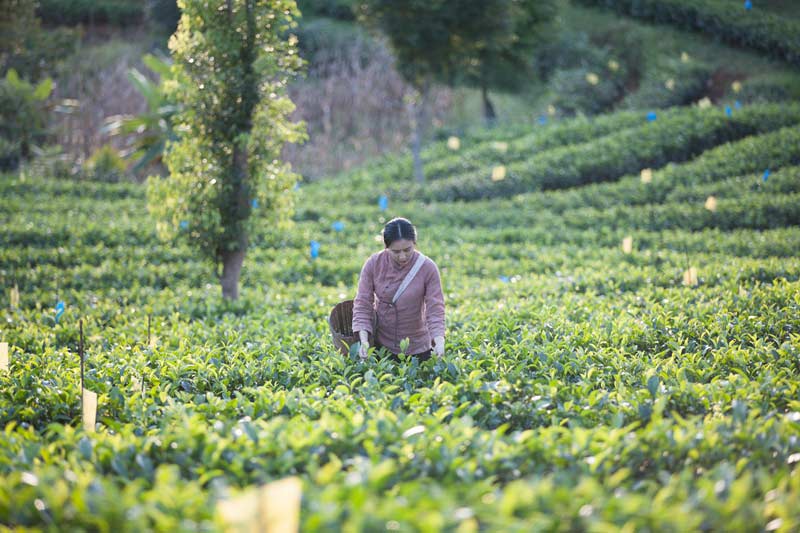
(583, 388)
(767, 32)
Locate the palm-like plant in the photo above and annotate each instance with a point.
(153, 128)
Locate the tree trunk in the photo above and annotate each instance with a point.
(420, 120)
(231, 268)
(488, 109)
(232, 260)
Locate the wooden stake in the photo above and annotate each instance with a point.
(80, 349)
(14, 296)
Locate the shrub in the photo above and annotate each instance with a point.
(671, 83)
(105, 165)
(585, 90)
(52, 162)
(588, 76)
(23, 116)
(43, 51)
(768, 88)
(9, 153)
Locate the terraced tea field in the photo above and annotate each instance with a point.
(584, 388)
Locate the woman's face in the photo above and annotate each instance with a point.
(401, 250)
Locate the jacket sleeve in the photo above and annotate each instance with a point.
(363, 310)
(434, 302)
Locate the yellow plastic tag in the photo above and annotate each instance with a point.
(736, 86)
(711, 203)
(690, 277)
(89, 410)
(14, 296)
(3, 356)
(627, 244)
(499, 173)
(592, 78)
(240, 514)
(670, 84)
(704, 103)
(613, 65)
(647, 175)
(551, 110)
(684, 57)
(272, 508)
(500, 146)
(454, 143)
(280, 503)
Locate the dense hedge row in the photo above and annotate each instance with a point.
(728, 20)
(746, 160)
(572, 131)
(671, 139)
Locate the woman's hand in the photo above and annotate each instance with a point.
(363, 349)
(438, 346)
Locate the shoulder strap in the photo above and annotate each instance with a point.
(409, 277)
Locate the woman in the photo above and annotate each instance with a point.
(416, 312)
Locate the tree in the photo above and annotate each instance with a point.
(226, 183)
(17, 18)
(419, 34)
(482, 43)
(501, 46)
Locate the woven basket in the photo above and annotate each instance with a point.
(341, 324)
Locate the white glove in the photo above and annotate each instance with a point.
(363, 350)
(438, 346)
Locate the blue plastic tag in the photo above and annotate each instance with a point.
(338, 226)
(383, 202)
(314, 249)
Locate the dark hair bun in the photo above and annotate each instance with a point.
(399, 228)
